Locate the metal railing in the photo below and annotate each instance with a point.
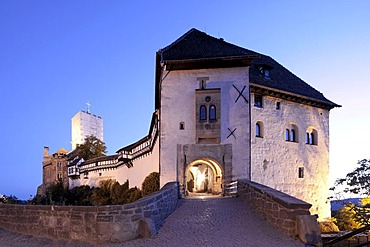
(231, 189)
(349, 235)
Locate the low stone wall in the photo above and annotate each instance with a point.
(94, 224)
(280, 209)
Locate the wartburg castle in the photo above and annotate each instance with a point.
(222, 113)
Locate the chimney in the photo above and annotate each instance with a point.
(46, 151)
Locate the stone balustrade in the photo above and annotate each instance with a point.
(94, 224)
(280, 209)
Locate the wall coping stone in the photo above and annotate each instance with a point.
(278, 196)
(94, 224)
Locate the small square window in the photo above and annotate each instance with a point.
(300, 172)
(182, 126)
(258, 101)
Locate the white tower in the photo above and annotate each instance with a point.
(84, 124)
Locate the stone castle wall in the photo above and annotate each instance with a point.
(98, 225)
(276, 162)
(280, 209)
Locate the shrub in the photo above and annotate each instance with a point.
(150, 184)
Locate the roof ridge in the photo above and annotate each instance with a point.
(179, 39)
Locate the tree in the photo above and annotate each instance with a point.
(357, 183)
(346, 218)
(150, 184)
(112, 193)
(56, 194)
(93, 147)
(9, 199)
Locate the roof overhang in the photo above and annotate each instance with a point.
(255, 88)
(209, 63)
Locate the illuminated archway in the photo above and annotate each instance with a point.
(205, 177)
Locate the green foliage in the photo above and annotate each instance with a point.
(329, 226)
(80, 196)
(9, 199)
(357, 182)
(133, 194)
(109, 193)
(56, 194)
(346, 218)
(112, 193)
(93, 147)
(150, 184)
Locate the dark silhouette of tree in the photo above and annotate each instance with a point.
(356, 183)
(112, 193)
(9, 199)
(150, 184)
(93, 147)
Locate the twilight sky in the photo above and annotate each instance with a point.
(57, 55)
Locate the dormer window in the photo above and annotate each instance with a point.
(266, 73)
(265, 70)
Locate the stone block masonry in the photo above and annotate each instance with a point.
(281, 210)
(94, 224)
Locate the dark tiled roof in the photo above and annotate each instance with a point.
(197, 45)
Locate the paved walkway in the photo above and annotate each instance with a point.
(196, 222)
(216, 222)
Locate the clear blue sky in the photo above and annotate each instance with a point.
(57, 55)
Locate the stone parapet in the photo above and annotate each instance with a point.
(280, 209)
(94, 224)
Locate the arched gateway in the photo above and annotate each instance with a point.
(204, 177)
(203, 169)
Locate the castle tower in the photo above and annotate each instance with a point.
(84, 124)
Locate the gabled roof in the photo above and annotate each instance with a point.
(61, 151)
(198, 50)
(197, 45)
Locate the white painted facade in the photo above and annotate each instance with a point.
(180, 143)
(119, 171)
(86, 124)
(178, 105)
(276, 162)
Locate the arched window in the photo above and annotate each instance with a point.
(258, 130)
(212, 112)
(287, 135)
(203, 113)
(312, 138)
(292, 135)
(307, 138)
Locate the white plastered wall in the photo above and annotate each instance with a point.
(178, 105)
(275, 162)
(136, 174)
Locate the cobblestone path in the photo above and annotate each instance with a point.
(216, 222)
